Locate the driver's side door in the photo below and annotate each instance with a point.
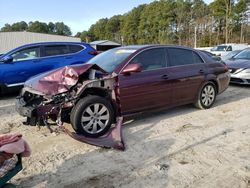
(149, 88)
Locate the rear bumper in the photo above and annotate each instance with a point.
(223, 81)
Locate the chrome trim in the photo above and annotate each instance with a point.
(38, 58)
(14, 85)
(165, 47)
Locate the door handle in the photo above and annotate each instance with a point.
(165, 77)
(201, 71)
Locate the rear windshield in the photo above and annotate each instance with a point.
(110, 59)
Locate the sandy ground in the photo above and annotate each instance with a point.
(181, 147)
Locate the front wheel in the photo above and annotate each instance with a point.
(207, 96)
(92, 116)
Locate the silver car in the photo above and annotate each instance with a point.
(239, 67)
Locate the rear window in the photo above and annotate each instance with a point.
(179, 57)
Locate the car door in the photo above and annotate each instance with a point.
(149, 88)
(23, 66)
(187, 73)
(60, 55)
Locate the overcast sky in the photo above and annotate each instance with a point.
(79, 15)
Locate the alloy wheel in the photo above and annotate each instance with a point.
(208, 95)
(95, 118)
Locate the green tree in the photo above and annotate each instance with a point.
(62, 29)
(51, 27)
(113, 28)
(18, 26)
(129, 26)
(38, 27)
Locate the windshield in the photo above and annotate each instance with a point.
(245, 54)
(110, 59)
(219, 48)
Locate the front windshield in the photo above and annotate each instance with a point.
(110, 59)
(245, 54)
(219, 48)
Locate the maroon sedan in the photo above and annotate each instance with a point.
(121, 82)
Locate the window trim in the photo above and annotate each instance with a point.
(169, 65)
(43, 48)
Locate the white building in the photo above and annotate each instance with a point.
(10, 40)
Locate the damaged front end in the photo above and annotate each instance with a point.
(51, 96)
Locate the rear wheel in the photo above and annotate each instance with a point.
(92, 116)
(207, 96)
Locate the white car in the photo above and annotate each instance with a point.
(224, 49)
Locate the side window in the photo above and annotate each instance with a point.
(179, 57)
(54, 50)
(151, 59)
(229, 48)
(75, 48)
(26, 54)
(197, 58)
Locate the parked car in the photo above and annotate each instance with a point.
(239, 67)
(121, 82)
(213, 56)
(20, 64)
(224, 49)
(230, 55)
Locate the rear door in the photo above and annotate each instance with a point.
(60, 55)
(147, 89)
(187, 73)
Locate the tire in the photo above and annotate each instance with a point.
(207, 96)
(92, 116)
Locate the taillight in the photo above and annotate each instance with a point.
(93, 53)
(225, 67)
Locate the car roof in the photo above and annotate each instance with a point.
(138, 47)
(50, 43)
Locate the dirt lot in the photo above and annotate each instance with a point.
(182, 147)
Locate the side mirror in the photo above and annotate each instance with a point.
(216, 58)
(136, 67)
(7, 59)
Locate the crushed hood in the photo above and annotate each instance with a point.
(59, 80)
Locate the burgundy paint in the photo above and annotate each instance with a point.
(112, 139)
(60, 80)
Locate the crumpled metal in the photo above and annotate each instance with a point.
(60, 80)
(112, 139)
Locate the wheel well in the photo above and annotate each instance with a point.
(216, 85)
(96, 91)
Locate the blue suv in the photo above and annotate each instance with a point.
(23, 62)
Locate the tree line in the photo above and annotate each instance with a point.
(58, 28)
(184, 22)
